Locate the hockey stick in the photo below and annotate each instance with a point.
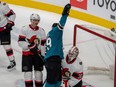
(41, 58)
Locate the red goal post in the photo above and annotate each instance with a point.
(76, 27)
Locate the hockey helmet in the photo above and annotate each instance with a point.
(73, 53)
(34, 17)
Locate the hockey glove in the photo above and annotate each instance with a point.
(34, 40)
(33, 48)
(9, 26)
(66, 9)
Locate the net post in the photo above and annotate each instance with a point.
(115, 68)
(74, 36)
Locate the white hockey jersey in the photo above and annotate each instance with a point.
(75, 67)
(27, 32)
(6, 15)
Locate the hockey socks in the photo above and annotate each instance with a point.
(29, 83)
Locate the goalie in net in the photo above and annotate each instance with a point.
(72, 68)
(103, 47)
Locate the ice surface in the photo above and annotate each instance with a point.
(10, 79)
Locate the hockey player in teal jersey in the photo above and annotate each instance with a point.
(54, 51)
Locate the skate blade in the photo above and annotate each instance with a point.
(13, 69)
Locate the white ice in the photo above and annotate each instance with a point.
(10, 79)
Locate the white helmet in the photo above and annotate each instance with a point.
(34, 17)
(73, 53)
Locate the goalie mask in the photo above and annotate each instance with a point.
(73, 53)
(34, 17)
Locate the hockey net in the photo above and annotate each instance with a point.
(97, 49)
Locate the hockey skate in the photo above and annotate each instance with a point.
(12, 66)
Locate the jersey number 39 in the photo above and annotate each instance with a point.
(48, 43)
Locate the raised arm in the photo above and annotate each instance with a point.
(65, 14)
